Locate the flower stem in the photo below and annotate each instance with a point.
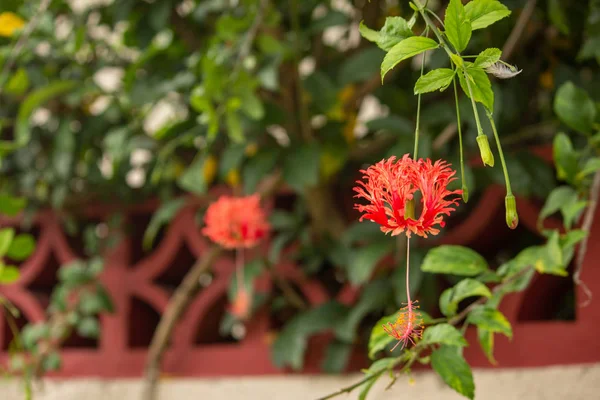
(465, 189)
(477, 121)
(500, 152)
(239, 269)
(419, 106)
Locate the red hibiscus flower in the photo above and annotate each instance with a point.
(390, 186)
(236, 222)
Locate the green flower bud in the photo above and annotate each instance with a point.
(484, 149)
(512, 218)
(465, 193)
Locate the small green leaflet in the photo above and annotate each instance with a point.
(458, 28)
(483, 13)
(406, 49)
(439, 78)
(487, 57)
(456, 260)
(490, 319)
(393, 32)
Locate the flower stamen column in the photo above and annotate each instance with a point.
(389, 187)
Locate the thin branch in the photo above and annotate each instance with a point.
(444, 137)
(586, 226)
(288, 290)
(177, 305)
(303, 113)
(350, 388)
(517, 32)
(416, 351)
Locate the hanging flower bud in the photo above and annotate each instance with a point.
(241, 305)
(465, 193)
(512, 218)
(484, 149)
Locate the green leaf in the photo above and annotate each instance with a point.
(88, 327)
(462, 290)
(192, 179)
(486, 341)
(162, 216)
(592, 165)
(231, 159)
(301, 167)
(393, 32)
(491, 320)
(480, 86)
(439, 78)
(458, 26)
(6, 238)
(483, 13)
(575, 108)
(487, 58)
(281, 220)
(18, 83)
(444, 334)
(370, 34)
(105, 300)
(456, 260)
(364, 260)
(52, 361)
(257, 168)
(21, 247)
(34, 100)
(9, 274)
(360, 67)
(557, 15)
(379, 339)
(565, 158)
(374, 296)
(573, 237)
(11, 206)
(454, 370)
(291, 343)
(336, 357)
(556, 200)
(550, 259)
(406, 49)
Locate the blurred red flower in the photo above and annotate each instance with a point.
(236, 222)
(391, 184)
